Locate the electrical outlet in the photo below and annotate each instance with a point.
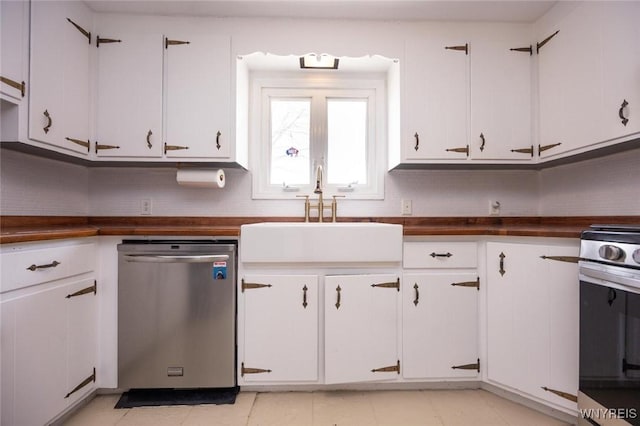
(145, 206)
(405, 206)
(494, 207)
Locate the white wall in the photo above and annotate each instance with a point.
(36, 186)
(604, 186)
(118, 191)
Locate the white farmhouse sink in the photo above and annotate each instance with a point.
(287, 242)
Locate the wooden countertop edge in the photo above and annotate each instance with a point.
(213, 231)
(23, 235)
(17, 229)
(542, 231)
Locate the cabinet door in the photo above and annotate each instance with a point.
(563, 296)
(198, 95)
(7, 361)
(361, 328)
(517, 325)
(14, 45)
(40, 366)
(501, 96)
(59, 79)
(533, 319)
(570, 82)
(435, 90)
(439, 325)
(129, 104)
(82, 338)
(621, 60)
(280, 328)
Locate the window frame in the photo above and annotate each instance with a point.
(263, 88)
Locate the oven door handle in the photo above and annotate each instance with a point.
(145, 258)
(618, 279)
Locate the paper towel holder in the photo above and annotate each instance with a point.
(199, 177)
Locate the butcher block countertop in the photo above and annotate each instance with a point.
(17, 229)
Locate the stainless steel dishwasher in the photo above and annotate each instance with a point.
(176, 314)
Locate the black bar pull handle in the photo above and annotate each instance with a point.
(624, 120)
(49, 121)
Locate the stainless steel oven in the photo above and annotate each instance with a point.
(609, 271)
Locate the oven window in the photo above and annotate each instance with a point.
(610, 347)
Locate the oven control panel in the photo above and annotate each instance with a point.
(619, 254)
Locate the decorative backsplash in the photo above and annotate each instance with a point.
(603, 186)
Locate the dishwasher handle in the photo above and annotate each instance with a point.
(147, 258)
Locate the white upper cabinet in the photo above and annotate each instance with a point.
(129, 102)
(198, 95)
(621, 69)
(501, 94)
(589, 77)
(435, 92)
(59, 80)
(14, 45)
(570, 75)
(467, 94)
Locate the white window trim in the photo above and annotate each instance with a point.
(259, 134)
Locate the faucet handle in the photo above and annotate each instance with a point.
(334, 207)
(307, 207)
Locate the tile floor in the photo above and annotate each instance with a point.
(336, 408)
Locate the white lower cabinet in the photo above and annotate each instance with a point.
(361, 328)
(440, 310)
(49, 328)
(82, 347)
(532, 320)
(283, 322)
(440, 325)
(280, 328)
(39, 368)
(48, 351)
(504, 312)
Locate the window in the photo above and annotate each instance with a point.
(300, 125)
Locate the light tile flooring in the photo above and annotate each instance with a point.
(339, 408)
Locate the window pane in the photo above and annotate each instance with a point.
(290, 130)
(347, 141)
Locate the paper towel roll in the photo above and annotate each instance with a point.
(201, 178)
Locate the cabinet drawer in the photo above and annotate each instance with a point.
(23, 268)
(440, 255)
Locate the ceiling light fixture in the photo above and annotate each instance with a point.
(323, 62)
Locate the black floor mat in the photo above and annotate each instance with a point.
(156, 397)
